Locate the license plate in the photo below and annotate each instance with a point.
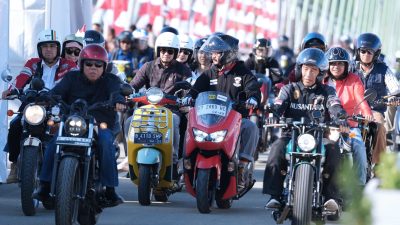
(213, 109)
(148, 138)
(85, 142)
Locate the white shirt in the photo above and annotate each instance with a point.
(49, 74)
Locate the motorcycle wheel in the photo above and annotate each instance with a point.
(67, 188)
(144, 192)
(204, 191)
(29, 179)
(302, 204)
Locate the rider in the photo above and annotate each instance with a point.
(71, 47)
(185, 49)
(350, 91)
(163, 72)
(51, 68)
(124, 50)
(346, 42)
(284, 55)
(294, 101)
(229, 75)
(201, 61)
(142, 52)
(375, 74)
(93, 37)
(92, 84)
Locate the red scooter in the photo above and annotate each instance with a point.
(211, 152)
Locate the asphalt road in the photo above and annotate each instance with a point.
(180, 210)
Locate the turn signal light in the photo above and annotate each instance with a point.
(50, 123)
(10, 112)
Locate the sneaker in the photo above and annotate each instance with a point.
(13, 176)
(273, 203)
(112, 198)
(241, 183)
(331, 205)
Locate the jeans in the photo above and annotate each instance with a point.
(359, 155)
(248, 139)
(106, 155)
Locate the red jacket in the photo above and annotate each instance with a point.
(351, 92)
(31, 66)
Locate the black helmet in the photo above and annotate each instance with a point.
(313, 39)
(262, 43)
(169, 29)
(338, 54)
(311, 56)
(216, 44)
(125, 36)
(93, 37)
(283, 38)
(231, 41)
(368, 41)
(199, 43)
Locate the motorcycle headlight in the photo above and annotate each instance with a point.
(306, 142)
(75, 126)
(34, 114)
(216, 137)
(154, 95)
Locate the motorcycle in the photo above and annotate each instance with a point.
(75, 181)
(211, 154)
(302, 198)
(38, 119)
(150, 146)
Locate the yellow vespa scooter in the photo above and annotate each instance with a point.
(150, 147)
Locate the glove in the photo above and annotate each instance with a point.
(343, 126)
(186, 101)
(251, 103)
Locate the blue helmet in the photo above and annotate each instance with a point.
(313, 39)
(311, 56)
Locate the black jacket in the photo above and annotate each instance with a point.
(75, 85)
(296, 101)
(237, 81)
(259, 66)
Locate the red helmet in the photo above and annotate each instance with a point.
(93, 52)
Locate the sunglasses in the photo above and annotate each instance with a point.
(96, 64)
(186, 52)
(336, 63)
(167, 50)
(365, 51)
(75, 51)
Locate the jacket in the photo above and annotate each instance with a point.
(75, 86)
(351, 94)
(235, 82)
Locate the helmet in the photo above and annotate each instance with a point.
(186, 42)
(167, 40)
(338, 54)
(311, 56)
(47, 36)
(369, 41)
(199, 43)
(231, 41)
(93, 52)
(346, 39)
(71, 38)
(169, 29)
(140, 34)
(125, 36)
(283, 38)
(93, 37)
(216, 44)
(262, 43)
(313, 39)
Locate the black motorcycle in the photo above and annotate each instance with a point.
(75, 183)
(39, 116)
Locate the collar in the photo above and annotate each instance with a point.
(226, 68)
(308, 88)
(161, 66)
(55, 65)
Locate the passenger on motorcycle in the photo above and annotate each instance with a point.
(94, 85)
(185, 50)
(375, 74)
(164, 72)
(229, 75)
(201, 61)
(51, 68)
(350, 91)
(71, 47)
(294, 101)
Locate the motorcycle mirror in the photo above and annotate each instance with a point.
(126, 89)
(6, 76)
(37, 84)
(183, 85)
(370, 95)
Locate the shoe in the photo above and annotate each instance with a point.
(123, 166)
(43, 192)
(331, 205)
(273, 203)
(112, 198)
(13, 176)
(241, 183)
(175, 175)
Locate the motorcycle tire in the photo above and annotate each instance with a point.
(204, 190)
(67, 188)
(144, 188)
(29, 179)
(302, 203)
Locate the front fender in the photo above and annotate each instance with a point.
(148, 156)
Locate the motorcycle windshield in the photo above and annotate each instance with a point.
(212, 107)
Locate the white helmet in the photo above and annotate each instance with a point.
(140, 34)
(48, 36)
(185, 42)
(167, 40)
